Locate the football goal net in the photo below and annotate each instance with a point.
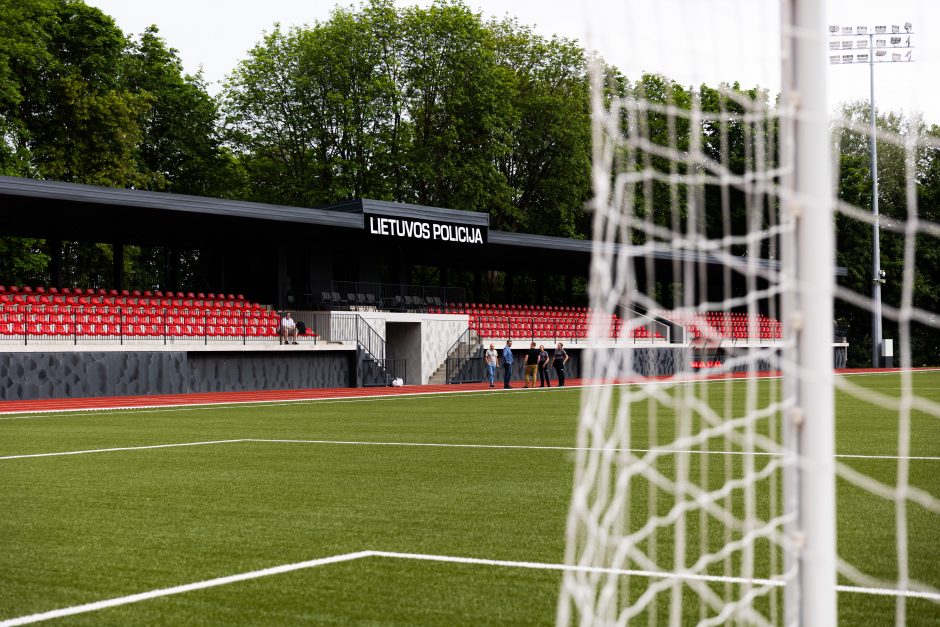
(717, 495)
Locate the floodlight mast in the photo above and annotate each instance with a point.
(877, 48)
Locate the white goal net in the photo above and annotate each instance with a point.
(720, 475)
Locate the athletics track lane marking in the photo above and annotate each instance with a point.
(346, 557)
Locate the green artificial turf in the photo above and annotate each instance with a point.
(82, 528)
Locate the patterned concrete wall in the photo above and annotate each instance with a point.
(230, 372)
(437, 336)
(26, 376)
(69, 375)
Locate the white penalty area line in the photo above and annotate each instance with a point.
(165, 592)
(121, 448)
(347, 557)
(531, 447)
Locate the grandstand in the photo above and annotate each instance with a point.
(364, 321)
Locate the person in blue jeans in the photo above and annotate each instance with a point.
(507, 364)
(491, 359)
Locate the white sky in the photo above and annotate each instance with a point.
(692, 41)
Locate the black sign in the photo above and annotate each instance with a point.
(428, 230)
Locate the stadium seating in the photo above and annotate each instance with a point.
(726, 325)
(545, 322)
(564, 322)
(77, 313)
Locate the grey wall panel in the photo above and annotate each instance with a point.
(26, 376)
(231, 372)
(81, 374)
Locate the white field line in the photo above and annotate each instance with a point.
(286, 568)
(569, 448)
(121, 448)
(164, 592)
(442, 445)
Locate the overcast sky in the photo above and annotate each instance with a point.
(706, 41)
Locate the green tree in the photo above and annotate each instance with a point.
(544, 135)
(854, 237)
(66, 114)
(179, 148)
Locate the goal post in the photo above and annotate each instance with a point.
(810, 321)
(710, 496)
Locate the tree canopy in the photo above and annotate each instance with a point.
(431, 105)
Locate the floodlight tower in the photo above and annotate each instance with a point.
(845, 46)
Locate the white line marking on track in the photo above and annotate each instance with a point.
(532, 447)
(91, 411)
(346, 557)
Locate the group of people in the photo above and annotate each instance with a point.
(535, 360)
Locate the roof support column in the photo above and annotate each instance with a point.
(55, 261)
(117, 255)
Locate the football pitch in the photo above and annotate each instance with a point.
(432, 509)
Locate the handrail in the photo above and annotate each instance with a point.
(352, 295)
(460, 356)
(349, 327)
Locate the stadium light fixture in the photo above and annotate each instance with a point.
(841, 35)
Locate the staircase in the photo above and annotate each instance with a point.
(464, 362)
(440, 375)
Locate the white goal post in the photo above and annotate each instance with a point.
(710, 496)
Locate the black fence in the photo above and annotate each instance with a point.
(548, 331)
(382, 372)
(464, 362)
(355, 295)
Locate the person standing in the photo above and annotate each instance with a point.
(491, 359)
(288, 329)
(545, 379)
(559, 359)
(531, 362)
(507, 364)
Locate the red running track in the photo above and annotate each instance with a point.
(218, 398)
(271, 396)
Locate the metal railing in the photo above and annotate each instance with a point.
(118, 324)
(464, 362)
(378, 366)
(347, 327)
(381, 372)
(356, 295)
(541, 329)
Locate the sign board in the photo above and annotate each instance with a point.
(428, 230)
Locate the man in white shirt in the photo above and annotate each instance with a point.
(491, 359)
(288, 329)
